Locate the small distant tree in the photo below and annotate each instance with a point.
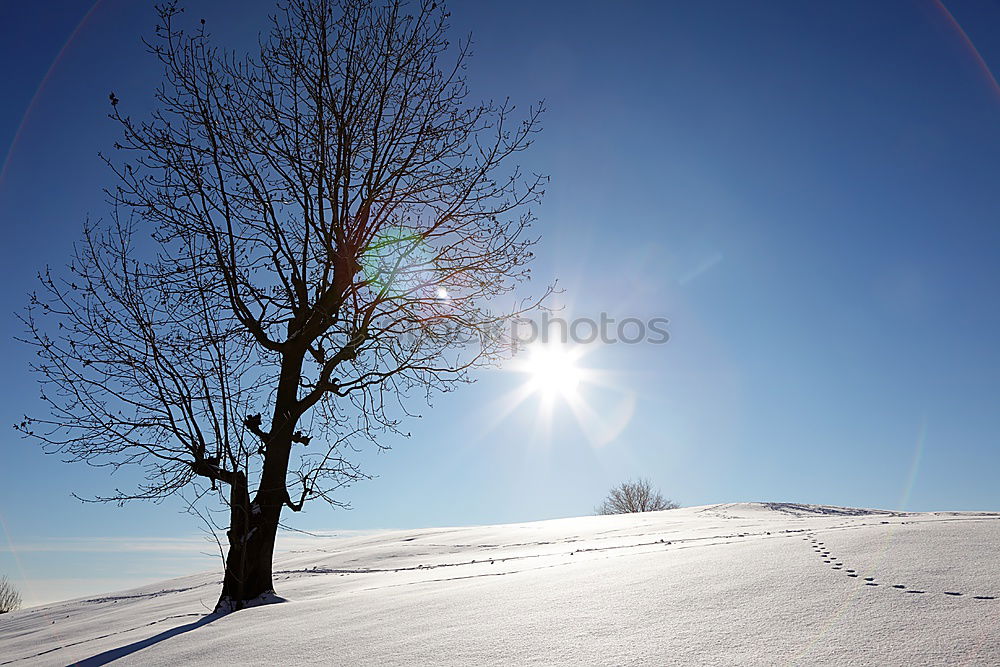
(637, 496)
(10, 599)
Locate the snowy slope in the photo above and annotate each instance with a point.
(749, 583)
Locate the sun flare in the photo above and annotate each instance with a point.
(562, 387)
(552, 370)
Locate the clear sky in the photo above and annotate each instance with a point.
(808, 191)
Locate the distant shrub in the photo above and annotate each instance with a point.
(637, 496)
(10, 599)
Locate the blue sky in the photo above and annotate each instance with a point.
(806, 190)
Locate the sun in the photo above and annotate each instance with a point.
(563, 386)
(552, 370)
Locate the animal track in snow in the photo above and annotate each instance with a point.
(836, 564)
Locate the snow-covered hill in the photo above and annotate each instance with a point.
(749, 583)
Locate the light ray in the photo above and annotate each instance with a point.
(556, 378)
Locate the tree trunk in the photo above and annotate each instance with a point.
(253, 526)
(252, 531)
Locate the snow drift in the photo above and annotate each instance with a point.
(757, 583)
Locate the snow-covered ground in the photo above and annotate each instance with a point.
(749, 583)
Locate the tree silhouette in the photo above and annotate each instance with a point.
(637, 496)
(10, 599)
(298, 241)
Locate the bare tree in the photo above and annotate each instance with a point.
(637, 496)
(298, 241)
(10, 599)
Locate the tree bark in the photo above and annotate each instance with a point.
(252, 532)
(253, 525)
(251, 545)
